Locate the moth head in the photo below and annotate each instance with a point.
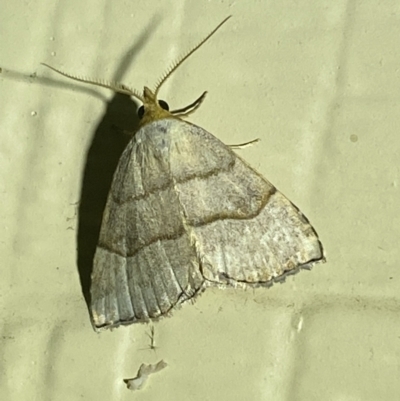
(152, 109)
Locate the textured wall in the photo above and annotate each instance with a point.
(317, 82)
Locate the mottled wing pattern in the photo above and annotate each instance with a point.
(244, 229)
(184, 211)
(145, 262)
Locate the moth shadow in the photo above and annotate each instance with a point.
(118, 125)
(112, 135)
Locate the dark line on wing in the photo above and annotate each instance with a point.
(167, 237)
(200, 223)
(169, 183)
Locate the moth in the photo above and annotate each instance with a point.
(185, 212)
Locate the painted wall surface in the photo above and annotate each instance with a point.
(317, 82)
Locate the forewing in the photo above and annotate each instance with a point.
(245, 230)
(145, 262)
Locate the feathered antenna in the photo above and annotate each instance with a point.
(115, 86)
(121, 88)
(186, 56)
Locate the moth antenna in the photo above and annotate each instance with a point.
(115, 86)
(177, 63)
